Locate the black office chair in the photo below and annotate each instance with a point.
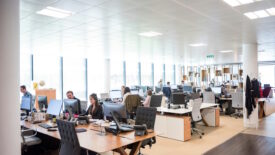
(146, 115)
(29, 139)
(69, 140)
(155, 100)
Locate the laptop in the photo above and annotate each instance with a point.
(119, 126)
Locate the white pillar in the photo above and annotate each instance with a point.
(9, 81)
(107, 75)
(250, 68)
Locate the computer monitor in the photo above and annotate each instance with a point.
(187, 89)
(26, 103)
(115, 94)
(178, 98)
(42, 102)
(134, 91)
(155, 100)
(174, 87)
(216, 90)
(157, 89)
(71, 105)
(119, 109)
(54, 107)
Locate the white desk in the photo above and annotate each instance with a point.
(171, 123)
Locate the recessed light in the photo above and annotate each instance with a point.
(271, 11)
(232, 2)
(150, 34)
(245, 1)
(226, 51)
(55, 12)
(198, 44)
(250, 15)
(261, 13)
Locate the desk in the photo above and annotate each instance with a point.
(176, 124)
(94, 141)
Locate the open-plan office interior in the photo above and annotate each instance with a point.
(152, 77)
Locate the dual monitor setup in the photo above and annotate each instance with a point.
(53, 108)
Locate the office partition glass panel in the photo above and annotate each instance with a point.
(47, 68)
(158, 73)
(116, 74)
(25, 70)
(146, 74)
(266, 74)
(74, 76)
(131, 73)
(96, 68)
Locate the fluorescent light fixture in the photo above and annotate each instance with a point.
(55, 12)
(226, 51)
(250, 15)
(232, 2)
(271, 11)
(261, 13)
(150, 34)
(198, 44)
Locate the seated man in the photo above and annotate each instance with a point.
(70, 95)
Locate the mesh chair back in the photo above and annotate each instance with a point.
(146, 115)
(196, 113)
(237, 100)
(155, 100)
(208, 97)
(69, 140)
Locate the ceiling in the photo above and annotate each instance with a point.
(110, 28)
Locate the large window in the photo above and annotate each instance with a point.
(47, 68)
(266, 74)
(158, 73)
(116, 74)
(25, 70)
(169, 71)
(96, 69)
(74, 76)
(146, 74)
(131, 74)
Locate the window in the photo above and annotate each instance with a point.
(266, 74)
(74, 76)
(169, 71)
(158, 73)
(47, 68)
(96, 83)
(131, 74)
(146, 74)
(25, 70)
(116, 74)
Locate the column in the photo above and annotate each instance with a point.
(9, 81)
(250, 68)
(107, 76)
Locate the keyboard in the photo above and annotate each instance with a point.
(127, 126)
(46, 126)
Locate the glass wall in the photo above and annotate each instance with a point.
(169, 71)
(131, 73)
(74, 76)
(25, 70)
(146, 74)
(158, 73)
(96, 68)
(116, 74)
(47, 68)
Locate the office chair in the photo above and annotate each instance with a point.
(147, 116)
(69, 140)
(208, 97)
(29, 139)
(132, 102)
(237, 103)
(196, 117)
(266, 92)
(155, 100)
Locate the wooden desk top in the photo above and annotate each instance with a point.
(93, 140)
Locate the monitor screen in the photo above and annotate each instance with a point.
(26, 103)
(71, 105)
(134, 91)
(216, 90)
(115, 94)
(114, 107)
(42, 102)
(187, 88)
(54, 107)
(178, 98)
(174, 87)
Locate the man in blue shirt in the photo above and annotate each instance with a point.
(25, 93)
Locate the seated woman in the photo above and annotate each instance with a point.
(146, 103)
(127, 92)
(95, 109)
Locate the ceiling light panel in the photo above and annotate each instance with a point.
(198, 44)
(55, 12)
(150, 34)
(261, 13)
(271, 11)
(250, 15)
(234, 3)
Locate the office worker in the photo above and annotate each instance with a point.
(95, 109)
(160, 84)
(24, 91)
(146, 103)
(126, 93)
(168, 84)
(70, 95)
